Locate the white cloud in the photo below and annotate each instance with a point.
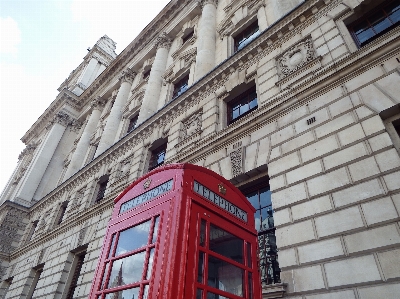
(10, 36)
(121, 20)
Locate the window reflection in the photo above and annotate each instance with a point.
(126, 294)
(226, 244)
(133, 238)
(224, 276)
(127, 270)
(215, 296)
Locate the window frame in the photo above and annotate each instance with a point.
(101, 188)
(238, 99)
(366, 18)
(245, 30)
(179, 85)
(155, 152)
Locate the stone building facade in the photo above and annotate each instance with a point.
(293, 101)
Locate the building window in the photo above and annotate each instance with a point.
(246, 36)
(396, 126)
(101, 188)
(157, 157)
(35, 273)
(180, 87)
(242, 104)
(259, 195)
(188, 36)
(5, 286)
(32, 230)
(61, 212)
(373, 25)
(76, 271)
(132, 124)
(146, 74)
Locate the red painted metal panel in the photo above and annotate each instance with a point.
(178, 196)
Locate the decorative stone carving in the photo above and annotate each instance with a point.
(41, 255)
(97, 103)
(29, 149)
(213, 2)
(82, 234)
(237, 161)
(76, 125)
(61, 118)
(192, 125)
(127, 76)
(295, 57)
(163, 41)
(10, 227)
(182, 62)
(124, 168)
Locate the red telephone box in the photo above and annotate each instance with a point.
(180, 231)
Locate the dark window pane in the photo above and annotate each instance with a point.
(226, 244)
(250, 278)
(133, 238)
(199, 294)
(379, 22)
(130, 293)
(215, 296)
(267, 220)
(157, 157)
(127, 270)
(180, 87)
(225, 277)
(248, 254)
(203, 233)
(242, 104)
(393, 10)
(200, 269)
(365, 35)
(257, 220)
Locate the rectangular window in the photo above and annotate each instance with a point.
(146, 74)
(187, 36)
(242, 104)
(76, 272)
(157, 157)
(246, 36)
(101, 190)
(36, 272)
(132, 124)
(378, 22)
(260, 198)
(396, 125)
(181, 86)
(61, 212)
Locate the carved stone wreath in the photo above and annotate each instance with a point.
(295, 57)
(191, 126)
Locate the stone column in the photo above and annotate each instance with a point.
(262, 18)
(84, 142)
(114, 118)
(42, 159)
(154, 84)
(205, 59)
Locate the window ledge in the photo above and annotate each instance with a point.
(273, 290)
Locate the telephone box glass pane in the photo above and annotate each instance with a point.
(248, 254)
(225, 277)
(130, 293)
(110, 253)
(250, 276)
(199, 294)
(215, 296)
(155, 231)
(203, 233)
(127, 270)
(145, 292)
(226, 244)
(150, 264)
(200, 270)
(133, 238)
(104, 276)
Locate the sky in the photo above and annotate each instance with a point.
(41, 42)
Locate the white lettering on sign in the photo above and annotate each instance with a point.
(149, 195)
(219, 201)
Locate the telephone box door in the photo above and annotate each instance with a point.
(221, 258)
